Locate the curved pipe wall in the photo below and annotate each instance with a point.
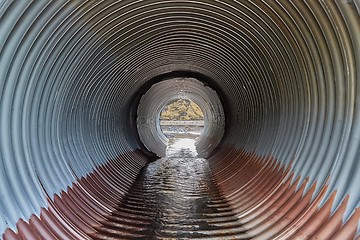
(161, 94)
(289, 76)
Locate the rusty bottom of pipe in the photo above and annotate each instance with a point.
(77, 212)
(173, 198)
(240, 196)
(272, 205)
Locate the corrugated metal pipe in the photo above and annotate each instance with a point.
(279, 82)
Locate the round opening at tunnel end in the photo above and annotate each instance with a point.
(182, 94)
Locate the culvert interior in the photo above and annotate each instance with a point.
(285, 164)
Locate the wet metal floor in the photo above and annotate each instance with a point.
(173, 198)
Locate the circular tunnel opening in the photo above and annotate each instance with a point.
(182, 91)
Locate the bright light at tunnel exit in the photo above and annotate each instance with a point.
(182, 118)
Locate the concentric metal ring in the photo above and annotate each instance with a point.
(288, 74)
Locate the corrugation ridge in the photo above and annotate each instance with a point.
(285, 153)
(283, 210)
(77, 213)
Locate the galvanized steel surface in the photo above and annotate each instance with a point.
(287, 73)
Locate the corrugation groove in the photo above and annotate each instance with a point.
(283, 135)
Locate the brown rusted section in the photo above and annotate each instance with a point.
(264, 198)
(10, 235)
(79, 210)
(25, 231)
(72, 216)
(348, 230)
(76, 213)
(263, 187)
(38, 226)
(263, 207)
(333, 224)
(268, 203)
(303, 215)
(316, 220)
(277, 221)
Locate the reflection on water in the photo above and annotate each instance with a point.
(181, 148)
(175, 198)
(182, 131)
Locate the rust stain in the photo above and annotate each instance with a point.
(348, 230)
(10, 235)
(262, 194)
(316, 219)
(328, 228)
(38, 226)
(287, 213)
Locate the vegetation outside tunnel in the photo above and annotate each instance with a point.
(182, 110)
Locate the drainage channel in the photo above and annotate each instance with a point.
(173, 197)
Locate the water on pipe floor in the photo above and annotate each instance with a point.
(173, 198)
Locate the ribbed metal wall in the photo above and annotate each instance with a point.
(71, 74)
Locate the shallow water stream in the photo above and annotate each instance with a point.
(174, 198)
